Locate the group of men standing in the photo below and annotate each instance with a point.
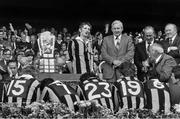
(151, 57)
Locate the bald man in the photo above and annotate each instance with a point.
(171, 44)
(163, 63)
(116, 49)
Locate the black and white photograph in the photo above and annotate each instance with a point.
(89, 59)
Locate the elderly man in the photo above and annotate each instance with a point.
(171, 44)
(141, 54)
(116, 49)
(162, 64)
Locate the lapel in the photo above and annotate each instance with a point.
(112, 43)
(159, 60)
(144, 47)
(142, 50)
(175, 40)
(121, 43)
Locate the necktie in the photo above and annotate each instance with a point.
(117, 42)
(148, 48)
(170, 41)
(118, 45)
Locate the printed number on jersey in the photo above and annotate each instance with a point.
(130, 88)
(17, 88)
(155, 83)
(63, 87)
(96, 90)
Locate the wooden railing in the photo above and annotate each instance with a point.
(61, 77)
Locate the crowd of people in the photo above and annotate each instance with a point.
(152, 59)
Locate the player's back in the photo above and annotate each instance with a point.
(157, 96)
(98, 90)
(60, 92)
(23, 90)
(131, 92)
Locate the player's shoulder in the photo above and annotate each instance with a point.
(128, 78)
(107, 37)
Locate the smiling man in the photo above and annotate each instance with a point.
(116, 49)
(171, 44)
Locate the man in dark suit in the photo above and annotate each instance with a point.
(7, 55)
(116, 49)
(142, 52)
(162, 64)
(171, 44)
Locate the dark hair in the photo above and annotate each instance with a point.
(127, 69)
(45, 82)
(87, 76)
(29, 52)
(85, 23)
(97, 34)
(64, 42)
(176, 71)
(12, 60)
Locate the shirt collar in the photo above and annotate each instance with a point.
(150, 43)
(16, 75)
(158, 59)
(119, 37)
(79, 38)
(173, 38)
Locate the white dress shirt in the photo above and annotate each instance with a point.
(117, 40)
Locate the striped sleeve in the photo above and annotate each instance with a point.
(80, 93)
(45, 95)
(115, 98)
(70, 50)
(32, 93)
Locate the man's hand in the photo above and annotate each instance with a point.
(28, 26)
(117, 63)
(172, 48)
(145, 65)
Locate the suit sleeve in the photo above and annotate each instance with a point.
(175, 53)
(129, 50)
(137, 60)
(166, 70)
(105, 55)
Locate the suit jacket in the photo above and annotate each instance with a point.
(3, 69)
(164, 67)
(110, 53)
(174, 53)
(141, 55)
